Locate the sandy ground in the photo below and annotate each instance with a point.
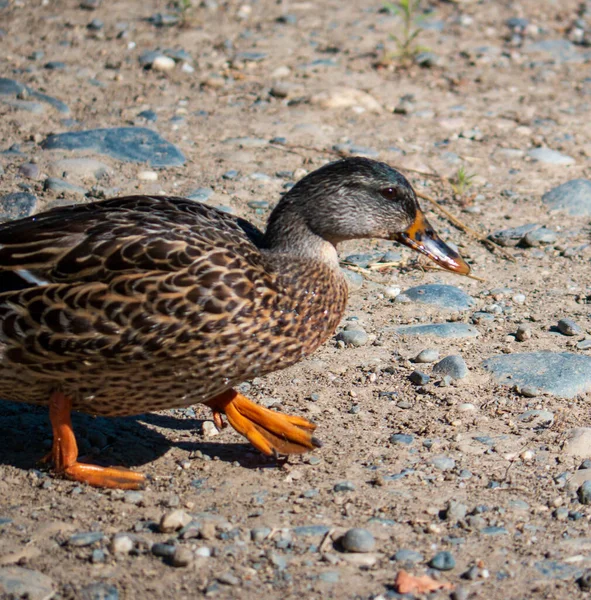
(516, 529)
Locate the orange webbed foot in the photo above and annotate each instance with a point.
(268, 431)
(64, 453)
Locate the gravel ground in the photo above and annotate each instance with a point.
(453, 411)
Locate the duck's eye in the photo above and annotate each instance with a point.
(389, 193)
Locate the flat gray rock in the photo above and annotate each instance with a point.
(561, 374)
(550, 157)
(129, 144)
(17, 205)
(442, 296)
(16, 582)
(572, 197)
(512, 236)
(11, 90)
(439, 330)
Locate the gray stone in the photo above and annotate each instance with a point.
(259, 534)
(553, 569)
(454, 366)
(442, 462)
(80, 540)
(419, 378)
(512, 236)
(584, 493)
(9, 88)
(569, 327)
(200, 194)
(404, 439)
(443, 561)
(344, 486)
(584, 344)
(439, 330)
(130, 144)
(163, 550)
(354, 280)
(561, 374)
(493, 530)
(17, 205)
(408, 556)
(455, 511)
(358, 540)
(550, 157)
(537, 417)
(29, 170)
(311, 530)
(329, 577)
(442, 296)
(428, 355)
(16, 582)
(539, 237)
(353, 337)
(99, 591)
(60, 186)
(572, 197)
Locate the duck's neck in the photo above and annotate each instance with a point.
(288, 233)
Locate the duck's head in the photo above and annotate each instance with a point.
(358, 198)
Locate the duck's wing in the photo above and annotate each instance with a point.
(126, 280)
(98, 241)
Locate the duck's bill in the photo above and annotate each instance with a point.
(420, 236)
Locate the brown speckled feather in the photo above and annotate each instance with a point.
(139, 304)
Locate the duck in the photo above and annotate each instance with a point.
(139, 304)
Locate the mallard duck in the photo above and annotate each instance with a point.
(143, 303)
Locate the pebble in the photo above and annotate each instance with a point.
(80, 540)
(550, 157)
(182, 557)
(402, 438)
(561, 374)
(353, 337)
(584, 344)
(259, 534)
(174, 520)
(512, 237)
(29, 170)
(344, 486)
(442, 296)
(17, 205)
(129, 144)
(17, 582)
(83, 168)
(539, 237)
(163, 63)
(439, 330)
(163, 550)
(329, 577)
(523, 333)
(60, 186)
(537, 417)
(354, 280)
(429, 355)
(99, 591)
(453, 366)
(443, 561)
(121, 544)
(569, 327)
(343, 97)
(147, 176)
(578, 442)
(572, 197)
(442, 462)
(584, 493)
(419, 378)
(358, 540)
(408, 556)
(455, 511)
(228, 579)
(311, 530)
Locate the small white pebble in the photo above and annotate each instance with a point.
(148, 175)
(209, 429)
(163, 63)
(466, 407)
(203, 551)
(121, 544)
(527, 455)
(392, 292)
(519, 298)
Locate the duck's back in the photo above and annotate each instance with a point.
(138, 304)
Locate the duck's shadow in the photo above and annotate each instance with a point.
(25, 436)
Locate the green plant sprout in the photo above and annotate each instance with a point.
(406, 45)
(462, 181)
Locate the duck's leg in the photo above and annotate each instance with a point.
(64, 453)
(268, 431)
